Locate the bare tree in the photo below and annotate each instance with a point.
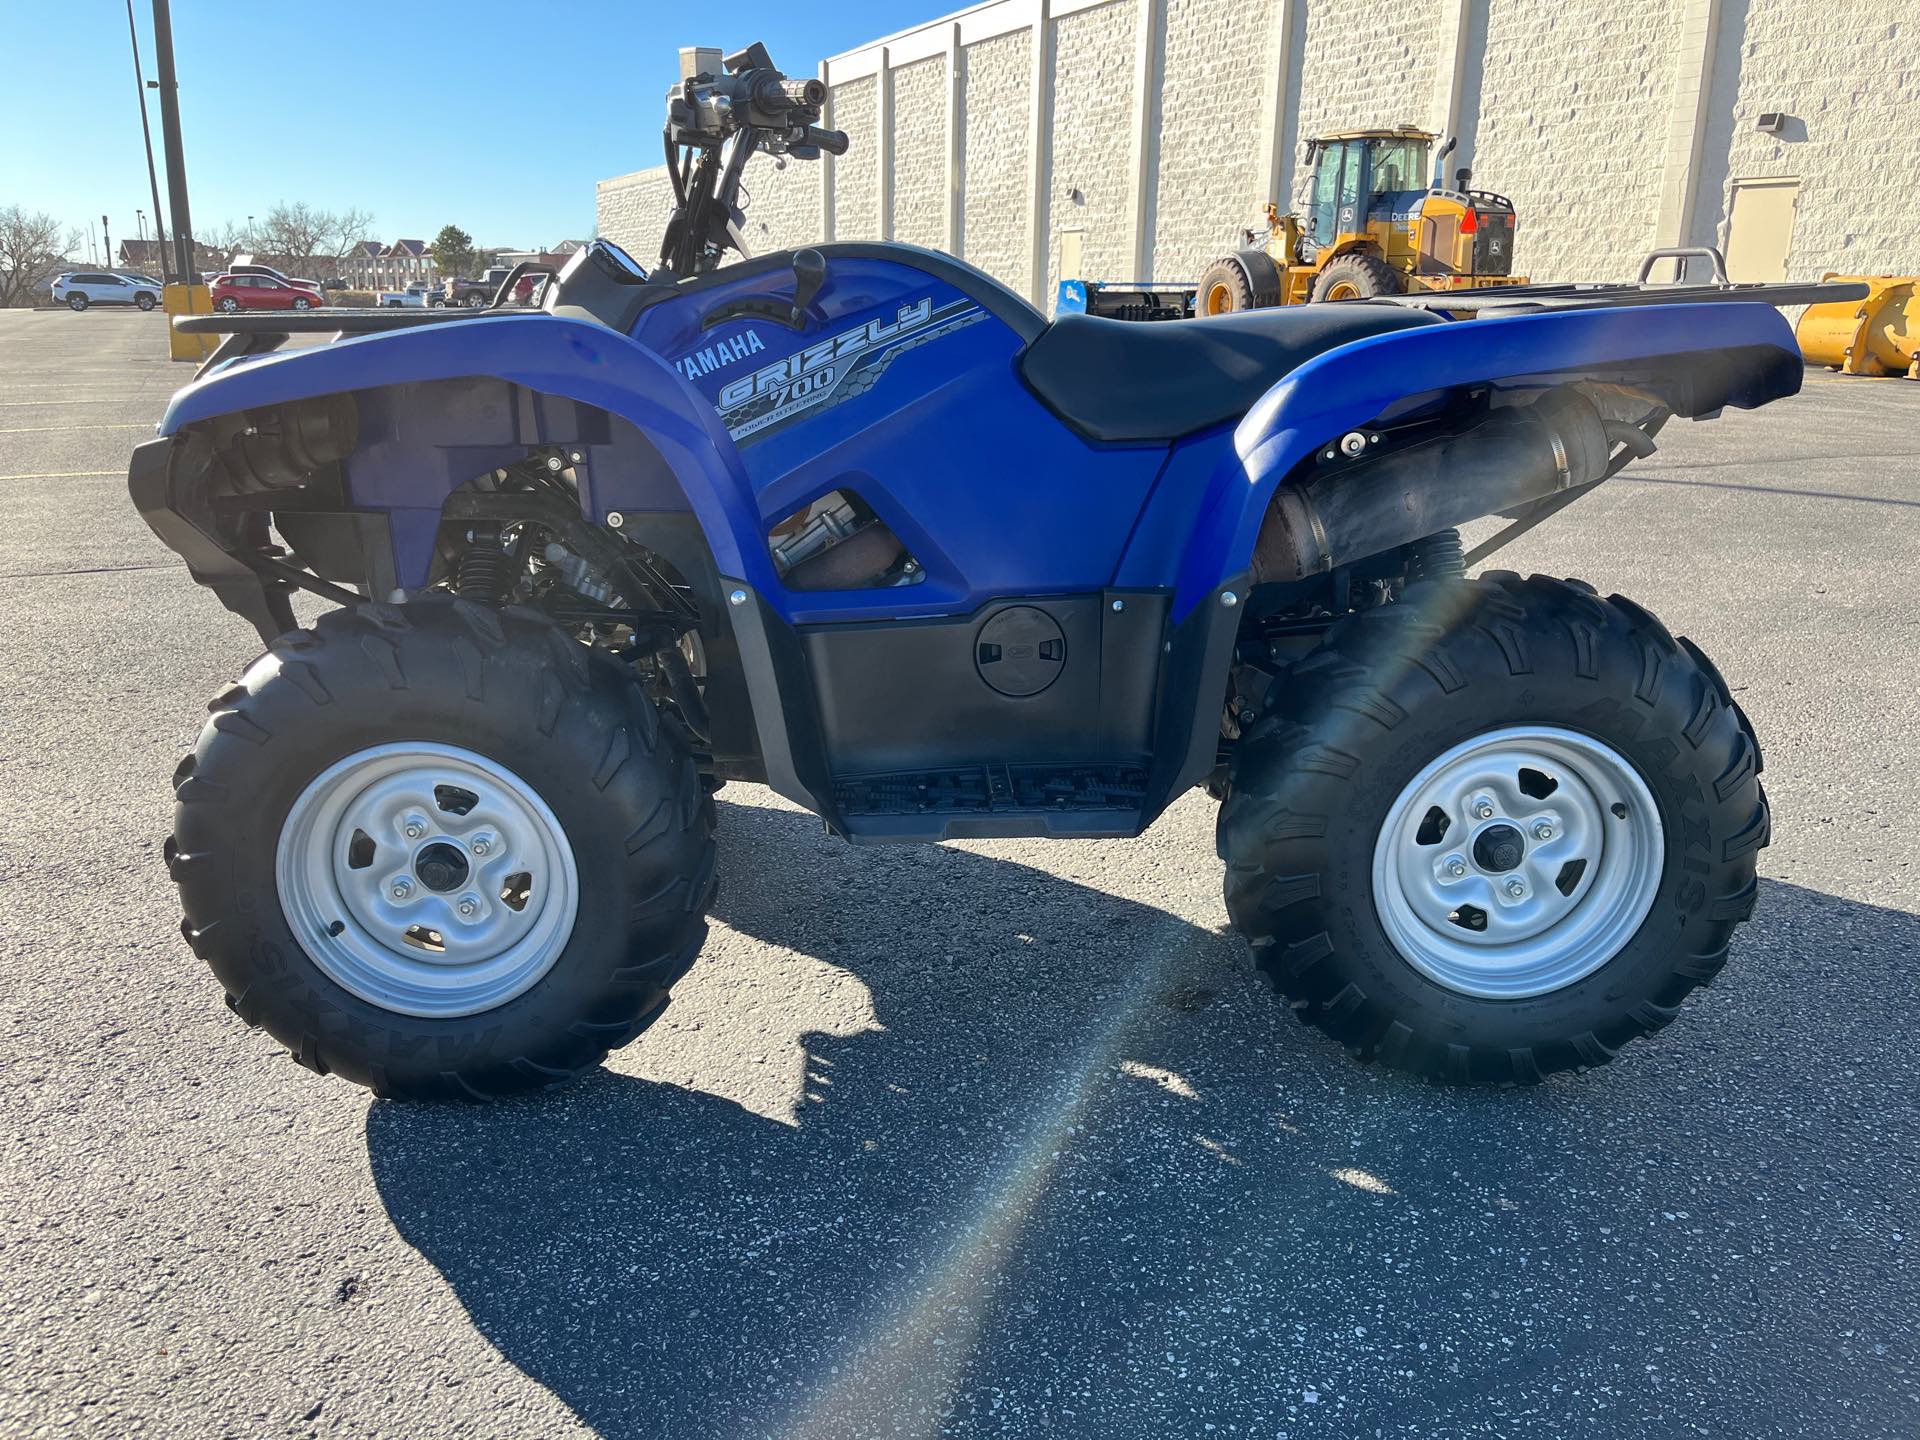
(298, 233)
(32, 248)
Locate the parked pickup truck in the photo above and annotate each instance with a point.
(414, 295)
(475, 294)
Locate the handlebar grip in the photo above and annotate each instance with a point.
(834, 142)
(804, 92)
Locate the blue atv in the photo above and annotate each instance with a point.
(857, 523)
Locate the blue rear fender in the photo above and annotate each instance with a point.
(548, 356)
(1699, 357)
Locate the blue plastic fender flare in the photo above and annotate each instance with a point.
(1357, 383)
(573, 359)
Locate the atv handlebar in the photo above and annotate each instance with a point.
(714, 124)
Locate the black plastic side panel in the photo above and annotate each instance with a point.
(906, 696)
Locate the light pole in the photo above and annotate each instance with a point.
(170, 138)
(146, 134)
(106, 242)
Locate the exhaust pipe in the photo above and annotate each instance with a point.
(1347, 511)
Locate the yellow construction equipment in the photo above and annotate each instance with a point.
(1879, 335)
(182, 299)
(1374, 226)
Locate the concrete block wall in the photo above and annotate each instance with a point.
(1091, 80)
(1364, 66)
(996, 93)
(1155, 129)
(919, 192)
(1208, 182)
(1577, 146)
(1848, 81)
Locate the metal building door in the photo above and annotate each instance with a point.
(1760, 228)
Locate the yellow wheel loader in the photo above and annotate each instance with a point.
(1374, 226)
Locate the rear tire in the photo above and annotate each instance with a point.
(228, 305)
(76, 303)
(621, 834)
(1357, 277)
(1224, 289)
(1614, 702)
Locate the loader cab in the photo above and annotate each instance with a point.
(1367, 185)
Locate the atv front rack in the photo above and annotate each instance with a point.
(257, 333)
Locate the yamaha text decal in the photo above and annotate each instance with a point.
(836, 369)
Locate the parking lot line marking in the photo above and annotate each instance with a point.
(43, 429)
(112, 400)
(67, 475)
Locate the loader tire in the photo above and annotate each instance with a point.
(1519, 704)
(1357, 277)
(370, 781)
(1224, 289)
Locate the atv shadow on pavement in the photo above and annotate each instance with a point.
(1083, 1176)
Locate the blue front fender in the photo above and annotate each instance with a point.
(1359, 383)
(572, 359)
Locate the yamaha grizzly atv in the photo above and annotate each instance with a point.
(856, 522)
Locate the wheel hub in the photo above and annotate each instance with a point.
(1518, 862)
(1496, 849)
(441, 867)
(426, 879)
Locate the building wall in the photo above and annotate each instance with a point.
(1614, 125)
(1577, 147)
(919, 199)
(1849, 83)
(856, 175)
(1091, 80)
(1366, 66)
(1206, 186)
(631, 210)
(997, 79)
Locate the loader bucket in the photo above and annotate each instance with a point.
(1879, 335)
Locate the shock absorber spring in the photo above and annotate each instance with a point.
(1437, 557)
(486, 568)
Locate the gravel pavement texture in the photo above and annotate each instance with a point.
(981, 1139)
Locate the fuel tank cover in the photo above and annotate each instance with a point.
(1020, 651)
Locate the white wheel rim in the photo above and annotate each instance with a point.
(1549, 858)
(426, 879)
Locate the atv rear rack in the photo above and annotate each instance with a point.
(1585, 295)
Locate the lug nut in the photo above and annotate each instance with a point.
(1517, 888)
(415, 830)
(1482, 808)
(468, 909)
(1543, 830)
(401, 889)
(1456, 867)
(482, 845)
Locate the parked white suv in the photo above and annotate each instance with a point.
(82, 288)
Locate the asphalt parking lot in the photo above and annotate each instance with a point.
(985, 1139)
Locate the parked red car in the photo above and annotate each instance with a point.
(261, 292)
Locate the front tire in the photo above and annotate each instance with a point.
(442, 850)
(301, 303)
(1378, 814)
(1359, 276)
(145, 302)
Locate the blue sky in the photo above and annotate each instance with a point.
(494, 117)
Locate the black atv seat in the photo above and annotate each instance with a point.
(1147, 380)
